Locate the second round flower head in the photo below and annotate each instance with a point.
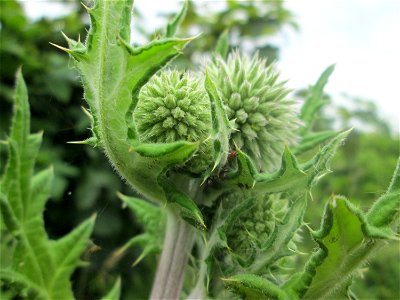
(256, 101)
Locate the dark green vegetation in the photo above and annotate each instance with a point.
(84, 183)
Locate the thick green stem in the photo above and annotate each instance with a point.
(178, 243)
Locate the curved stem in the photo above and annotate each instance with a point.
(178, 243)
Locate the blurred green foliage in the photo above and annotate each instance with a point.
(251, 25)
(84, 182)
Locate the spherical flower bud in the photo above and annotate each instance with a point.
(173, 107)
(254, 226)
(256, 101)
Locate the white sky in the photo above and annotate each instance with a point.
(362, 37)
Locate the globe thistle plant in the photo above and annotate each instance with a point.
(186, 143)
(265, 120)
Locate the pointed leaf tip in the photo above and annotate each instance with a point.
(173, 25)
(395, 182)
(222, 47)
(115, 292)
(60, 47)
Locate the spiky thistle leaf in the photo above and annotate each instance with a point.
(40, 267)
(152, 218)
(314, 101)
(113, 73)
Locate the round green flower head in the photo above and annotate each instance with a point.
(255, 99)
(173, 107)
(254, 226)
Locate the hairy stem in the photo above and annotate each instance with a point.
(178, 243)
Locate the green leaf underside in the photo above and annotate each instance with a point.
(41, 267)
(112, 73)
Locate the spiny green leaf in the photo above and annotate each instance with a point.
(346, 240)
(113, 73)
(20, 282)
(21, 120)
(395, 182)
(314, 100)
(250, 286)
(291, 175)
(40, 267)
(387, 208)
(8, 215)
(152, 218)
(318, 166)
(312, 140)
(149, 215)
(67, 252)
(288, 177)
(173, 25)
(41, 187)
(342, 241)
(115, 292)
(221, 127)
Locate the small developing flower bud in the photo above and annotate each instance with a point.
(254, 226)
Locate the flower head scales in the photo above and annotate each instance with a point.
(256, 102)
(173, 106)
